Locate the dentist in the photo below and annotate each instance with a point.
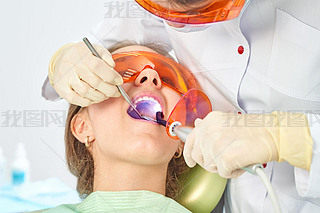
(257, 60)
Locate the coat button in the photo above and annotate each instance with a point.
(240, 50)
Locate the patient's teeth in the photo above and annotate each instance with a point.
(145, 98)
(146, 105)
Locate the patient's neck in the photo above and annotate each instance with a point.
(125, 176)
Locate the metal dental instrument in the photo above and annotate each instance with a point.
(121, 90)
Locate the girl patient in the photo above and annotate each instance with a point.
(124, 164)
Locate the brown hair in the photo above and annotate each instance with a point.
(80, 161)
(189, 5)
(187, 2)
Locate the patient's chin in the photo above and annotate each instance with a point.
(150, 152)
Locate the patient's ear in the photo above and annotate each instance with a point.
(81, 126)
(181, 145)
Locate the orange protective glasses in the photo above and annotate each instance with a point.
(218, 10)
(172, 74)
(193, 103)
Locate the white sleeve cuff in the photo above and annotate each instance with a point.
(308, 183)
(48, 92)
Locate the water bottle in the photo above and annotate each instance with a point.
(20, 173)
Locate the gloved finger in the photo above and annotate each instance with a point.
(227, 172)
(96, 82)
(103, 70)
(108, 89)
(65, 90)
(187, 150)
(237, 173)
(234, 174)
(74, 98)
(84, 90)
(211, 168)
(95, 95)
(223, 166)
(197, 154)
(209, 163)
(197, 122)
(105, 55)
(224, 173)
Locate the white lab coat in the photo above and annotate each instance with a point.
(278, 70)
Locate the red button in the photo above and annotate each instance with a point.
(240, 50)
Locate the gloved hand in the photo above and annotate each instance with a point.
(81, 78)
(223, 142)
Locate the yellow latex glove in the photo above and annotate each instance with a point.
(225, 142)
(81, 78)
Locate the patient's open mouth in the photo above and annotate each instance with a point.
(147, 105)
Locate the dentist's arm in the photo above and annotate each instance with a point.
(225, 142)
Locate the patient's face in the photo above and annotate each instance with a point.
(120, 137)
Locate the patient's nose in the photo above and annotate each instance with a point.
(148, 77)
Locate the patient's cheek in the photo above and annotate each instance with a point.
(172, 97)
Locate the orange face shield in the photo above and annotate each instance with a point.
(218, 10)
(193, 104)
